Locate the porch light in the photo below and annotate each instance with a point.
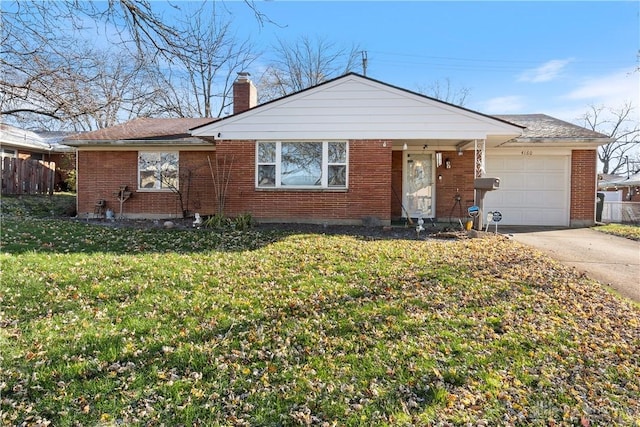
(404, 146)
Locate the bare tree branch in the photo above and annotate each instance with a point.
(304, 63)
(622, 127)
(444, 91)
(50, 72)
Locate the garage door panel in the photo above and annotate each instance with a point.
(536, 199)
(544, 216)
(511, 181)
(555, 200)
(520, 216)
(533, 189)
(554, 164)
(506, 164)
(532, 181)
(495, 199)
(552, 180)
(535, 164)
(513, 215)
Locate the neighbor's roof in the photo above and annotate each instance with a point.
(144, 128)
(632, 181)
(543, 126)
(40, 141)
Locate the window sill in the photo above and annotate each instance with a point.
(154, 190)
(306, 190)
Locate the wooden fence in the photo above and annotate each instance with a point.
(27, 176)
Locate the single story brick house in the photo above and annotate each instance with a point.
(351, 150)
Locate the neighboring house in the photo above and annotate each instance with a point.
(628, 185)
(351, 150)
(607, 180)
(35, 145)
(621, 198)
(20, 145)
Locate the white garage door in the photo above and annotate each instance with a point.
(534, 190)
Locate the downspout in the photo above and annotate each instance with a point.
(77, 180)
(52, 174)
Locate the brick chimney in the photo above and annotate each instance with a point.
(245, 94)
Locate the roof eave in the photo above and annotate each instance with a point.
(557, 142)
(139, 142)
(27, 145)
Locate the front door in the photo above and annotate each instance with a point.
(418, 185)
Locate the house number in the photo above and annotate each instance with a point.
(527, 152)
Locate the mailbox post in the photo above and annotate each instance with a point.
(482, 185)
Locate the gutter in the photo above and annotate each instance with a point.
(557, 142)
(139, 142)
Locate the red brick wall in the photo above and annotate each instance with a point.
(101, 173)
(457, 180)
(583, 187)
(630, 194)
(373, 168)
(368, 194)
(244, 96)
(200, 191)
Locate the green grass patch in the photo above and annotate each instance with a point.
(38, 206)
(623, 230)
(109, 326)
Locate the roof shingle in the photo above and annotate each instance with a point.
(144, 128)
(543, 126)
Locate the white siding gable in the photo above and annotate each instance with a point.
(354, 107)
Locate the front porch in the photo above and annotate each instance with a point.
(435, 179)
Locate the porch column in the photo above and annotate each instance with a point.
(479, 171)
(479, 152)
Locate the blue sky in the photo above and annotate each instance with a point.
(514, 57)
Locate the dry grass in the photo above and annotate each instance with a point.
(107, 326)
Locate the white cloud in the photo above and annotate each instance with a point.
(610, 90)
(503, 105)
(548, 71)
(573, 100)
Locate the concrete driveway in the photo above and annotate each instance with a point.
(611, 260)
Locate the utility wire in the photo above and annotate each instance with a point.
(487, 64)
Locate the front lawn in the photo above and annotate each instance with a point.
(623, 230)
(108, 326)
(38, 206)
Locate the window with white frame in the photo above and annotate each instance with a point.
(301, 164)
(5, 152)
(157, 170)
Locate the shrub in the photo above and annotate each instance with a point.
(243, 221)
(218, 221)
